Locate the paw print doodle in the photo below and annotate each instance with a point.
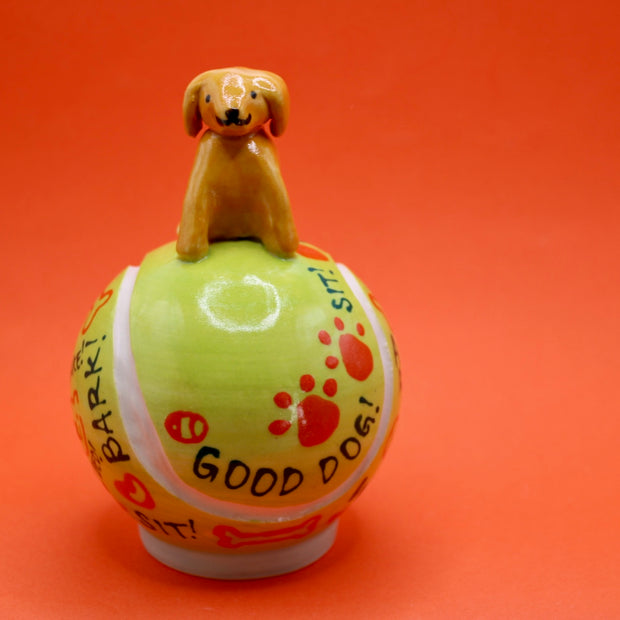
(356, 355)
(317, 417)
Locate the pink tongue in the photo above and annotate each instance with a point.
(317, 420)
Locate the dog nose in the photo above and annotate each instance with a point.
(232, 115)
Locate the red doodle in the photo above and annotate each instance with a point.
(335, 516)
(356, 355)
(279, 427)
(283, 400)
(310, 252)
(307, 383)
(80, 429)
(317, 417)
(104, 298)
(330, 387)
(79, 422)
(232, 538)
(375, 303)
(186, 426)
(134, 490)
(331, 361)
(324, 337)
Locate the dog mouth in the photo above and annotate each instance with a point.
(233, 118)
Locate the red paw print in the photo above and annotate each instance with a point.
(317, 417)
(356, 355)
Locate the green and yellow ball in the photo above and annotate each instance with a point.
(235, 406)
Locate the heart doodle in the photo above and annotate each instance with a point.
(134, 490)
(104, 298)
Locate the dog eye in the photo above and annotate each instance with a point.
(208, 98)
(253, 94)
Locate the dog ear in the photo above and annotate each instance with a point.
(275, 92)
(191, 107)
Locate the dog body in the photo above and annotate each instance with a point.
(235, 189)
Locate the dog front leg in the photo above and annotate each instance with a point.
(282, 238)
(280, 235)
(193, 238)
(285, 239)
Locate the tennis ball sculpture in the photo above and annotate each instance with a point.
(235, 402)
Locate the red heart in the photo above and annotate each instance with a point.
(134, 490)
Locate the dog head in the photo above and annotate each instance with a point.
(235, 102)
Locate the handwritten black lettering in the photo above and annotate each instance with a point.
(101, 424)
(181, 529)
(234, 465)
(259, 477)
(295, 475)
(332, 286)
(206, 471)
(113, 452)
(328, 466)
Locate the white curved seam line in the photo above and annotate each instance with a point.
(138, 424)
(147, 446)
(386, 361)
(145, 441)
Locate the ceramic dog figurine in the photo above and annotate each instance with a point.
(235, 189)
(235, 406)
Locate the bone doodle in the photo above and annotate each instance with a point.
(232, 538)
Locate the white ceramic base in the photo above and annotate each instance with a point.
(249, 565)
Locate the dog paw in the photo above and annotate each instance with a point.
(356, 355)
(317, 417)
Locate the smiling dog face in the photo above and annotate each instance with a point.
(235, 102)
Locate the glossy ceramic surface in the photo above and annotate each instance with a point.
(235, 189)
(237, 404)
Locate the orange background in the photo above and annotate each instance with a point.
(463, 158)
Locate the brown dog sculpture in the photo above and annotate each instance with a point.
(235, 189)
